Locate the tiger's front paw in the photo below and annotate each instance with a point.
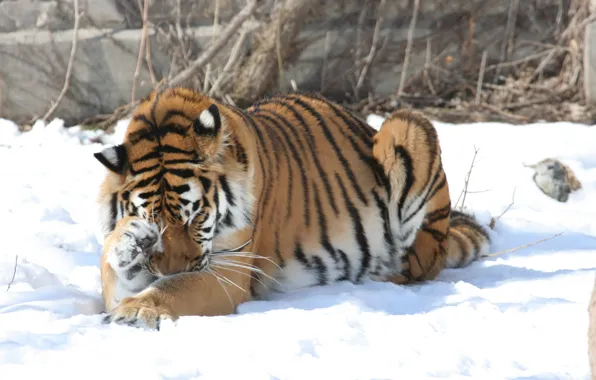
(138, 241)
(141, 312)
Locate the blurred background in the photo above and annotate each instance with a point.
(89, 61)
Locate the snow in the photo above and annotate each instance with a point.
(519, 315)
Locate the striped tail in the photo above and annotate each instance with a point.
(467, 240)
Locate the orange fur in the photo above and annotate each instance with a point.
(319, 194)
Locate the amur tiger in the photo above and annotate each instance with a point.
(206, 206)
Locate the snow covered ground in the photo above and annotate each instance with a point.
(520, 315)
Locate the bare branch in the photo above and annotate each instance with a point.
(464, 191)
(278, 53)
(214, 33)
(324, 66)
(521, 246)
(135, 78)
(480, 77)
(373, 49)
(223, 39)
(493, 221)
(73, 51)
(234, 56)
(404, 69)
(148, 62)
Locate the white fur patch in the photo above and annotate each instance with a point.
(207, 119)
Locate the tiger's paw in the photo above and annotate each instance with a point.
(139, 240)
(140, 312)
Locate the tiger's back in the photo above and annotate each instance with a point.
(323, 208)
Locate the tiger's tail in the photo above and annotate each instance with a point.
(425, 228)
(467, 240)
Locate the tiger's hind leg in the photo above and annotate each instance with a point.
(407, 148)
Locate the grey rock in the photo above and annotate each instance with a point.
(555, 179)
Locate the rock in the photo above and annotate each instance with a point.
(555, 179)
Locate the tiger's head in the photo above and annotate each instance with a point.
(178, 166)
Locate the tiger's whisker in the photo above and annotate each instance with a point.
(239, 272)
(219, 281)
(248, 255)
(224, 278)
(251, 268)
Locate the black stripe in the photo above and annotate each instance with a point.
(148, 194)
(321, 269)
(282, 262)
(266, 178)
(183, 173)
(225, 186)
(194, 161)
(149, 156)
(358, 127)
(172, 113)
(347, 266)
(228, 220)
(296, 156)
(436, 234)
(472, 240)
(288, 163)
(314, 153)
(275, 143)
(384, 214)
(412, 252)
(342, 159)
(143, 170)
(460, 243)
(300, 256)
(402, 154)
(324, 237)
(113, 211)
(370, 161)
(439, 214)
(241, 155)
(149, 180)
(181, 189)
(430, 192)
(205, 182)
(358, 229)
(174, 128)
(216, 200)
(173, 149)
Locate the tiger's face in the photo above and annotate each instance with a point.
(169, 170)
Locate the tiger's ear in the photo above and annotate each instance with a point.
(114, 158)
(209, 122)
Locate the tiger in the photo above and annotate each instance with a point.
(205, 205)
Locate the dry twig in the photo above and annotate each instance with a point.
(73, 51)
(521, 246)
(234, 57)
(464, 191)
(493, 221)
(135, 78)
(214, 33)
(373, 49)
(404, 69)
(480, 77)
